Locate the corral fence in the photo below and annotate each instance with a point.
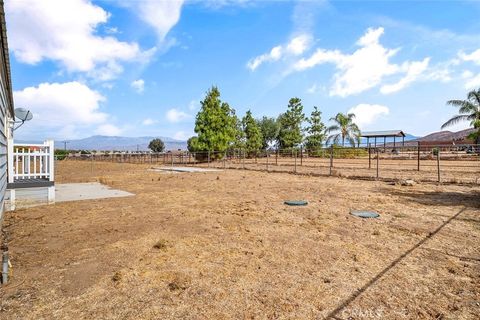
(442, 163)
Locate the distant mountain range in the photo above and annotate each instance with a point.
(442, 137)
(141, 143)
(119, 143)
(447, 135)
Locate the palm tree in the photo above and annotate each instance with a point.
(469, 110)
(344, 129)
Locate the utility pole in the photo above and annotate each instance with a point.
(65, 144)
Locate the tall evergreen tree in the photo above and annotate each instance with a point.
(239, 142)
(316, 130)
(269, 127)
(215, 124)
(290, 134)
(253, 136)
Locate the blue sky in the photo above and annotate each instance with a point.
(136, 68)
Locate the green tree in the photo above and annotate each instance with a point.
(343, 129)
(253, 136)
(192, 143)
(269, 127)
(469, 110)
(316, 130)
(156, 145)
(215, 124)
(290, 133)
(239, 142)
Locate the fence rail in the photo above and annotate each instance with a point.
(30, 161)
(442, 163)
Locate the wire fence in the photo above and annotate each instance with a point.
(442, 163)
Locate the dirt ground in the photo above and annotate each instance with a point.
(452, 170)
(222, 245)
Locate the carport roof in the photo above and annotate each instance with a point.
(386, 133)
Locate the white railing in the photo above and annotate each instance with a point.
(30, 161)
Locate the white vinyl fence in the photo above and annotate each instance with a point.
(30, 161)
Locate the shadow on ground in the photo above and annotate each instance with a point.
(334, 314)
(470, 199)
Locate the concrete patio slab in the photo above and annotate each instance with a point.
(86, 191)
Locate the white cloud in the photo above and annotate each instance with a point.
(138, 85)
(315, 88)
(299, 44)
(149, 122)
(193, 105)
(61, 109)
(111, 30)
(413, 71)
(472, 57)
(174, 115)
(473, 82)
(365, 68)
(161, 15)
(66, 32)
(366, 114)
(108, 130)
(60, 103)
(295, 47)
(467, 74)
(273, 55)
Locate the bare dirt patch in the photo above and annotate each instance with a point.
(222, 245)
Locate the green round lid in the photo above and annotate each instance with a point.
(296, 202)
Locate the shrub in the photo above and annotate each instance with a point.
(60, 154)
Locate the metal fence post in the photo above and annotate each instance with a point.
(331, 159)
(295, 155)
(224, 160)
(243, 160)
(301, 156)
(369, 157)
(208, 159)
(418, 155)
(438, 163)
(377, 160)
(276, 157)
(266, 153)
(172, 158)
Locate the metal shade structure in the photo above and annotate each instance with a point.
(384, 134)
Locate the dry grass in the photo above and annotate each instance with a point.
(451, 171)
(229, 249)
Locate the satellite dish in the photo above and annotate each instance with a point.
(23, 114)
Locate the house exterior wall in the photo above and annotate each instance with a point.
(6, 107)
